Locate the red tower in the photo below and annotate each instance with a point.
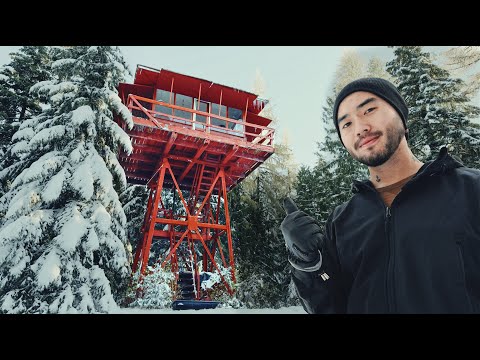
(193, 141)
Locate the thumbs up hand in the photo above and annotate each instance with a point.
(302, 237)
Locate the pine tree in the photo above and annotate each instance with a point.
(376, 68)
(439, 112)
(261, 256)
(134, 200)
(464, 60)
(30, 65)
(62, 240)
(351, 67)
(305, 191)
(262, 266)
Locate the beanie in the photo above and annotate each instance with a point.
(378, 86)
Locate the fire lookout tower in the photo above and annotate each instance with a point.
(195, 140)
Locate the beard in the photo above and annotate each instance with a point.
(394, 137)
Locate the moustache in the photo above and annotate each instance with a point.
(374, 133)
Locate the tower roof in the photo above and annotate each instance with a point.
(189, 85)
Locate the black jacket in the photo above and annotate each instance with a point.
(421, 255)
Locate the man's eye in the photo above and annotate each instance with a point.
(369, 110)
(347, 124)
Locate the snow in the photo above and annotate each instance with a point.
(218, 310)
(49, 269)
(82, 114)
(23, 134)
(53, 189)
(74, 227)
(42, 168)
(62, 62)
(82, 181)
(23, 200)
(48, 135)
(20, 147)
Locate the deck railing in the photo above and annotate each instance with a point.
(261, 135)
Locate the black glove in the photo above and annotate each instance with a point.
(302, 238)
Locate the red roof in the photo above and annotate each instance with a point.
(190, 86)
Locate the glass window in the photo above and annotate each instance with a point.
(200, 119)
(235, 114)
(163, 95)
(186, 102)
(221, 110)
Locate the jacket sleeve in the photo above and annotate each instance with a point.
(319, 294)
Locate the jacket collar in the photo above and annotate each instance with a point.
(441, 165)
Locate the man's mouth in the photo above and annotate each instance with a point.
(368, 141)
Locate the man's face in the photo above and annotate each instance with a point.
(370, 128)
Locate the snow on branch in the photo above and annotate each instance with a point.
(73, 227)
(23, 134)
(83, 114)
(25, 227)
(44, 167)
(118, 107)
(82, 180)
(24, 200)
(54, 187)
(48, 135)
(118, 134)
(48, 268)
(62, 62)
(115, 167)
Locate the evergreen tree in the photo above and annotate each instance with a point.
(30, 65)
(305, 191)
(156, 287)
(376, 68)
(263, 272)
(351, 66)
(134, 200)
(62, 240)
(257, 212)
(439, 112)
(464, 60)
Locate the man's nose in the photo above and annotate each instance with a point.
(361, 127)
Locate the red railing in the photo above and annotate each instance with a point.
(262, 135)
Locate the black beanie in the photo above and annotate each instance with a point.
(378, 86)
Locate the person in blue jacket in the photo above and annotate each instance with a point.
(408, 240)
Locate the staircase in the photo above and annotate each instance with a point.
(186, 285)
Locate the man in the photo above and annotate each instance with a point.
(408, 241)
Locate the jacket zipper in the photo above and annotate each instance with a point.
(389, 278)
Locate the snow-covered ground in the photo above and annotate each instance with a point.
(284, 310)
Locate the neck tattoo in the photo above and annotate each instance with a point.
(377, 178)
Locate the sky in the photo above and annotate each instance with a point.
(296, 80)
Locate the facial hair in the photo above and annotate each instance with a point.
(394, 137)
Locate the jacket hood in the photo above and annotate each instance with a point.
(441, 165)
